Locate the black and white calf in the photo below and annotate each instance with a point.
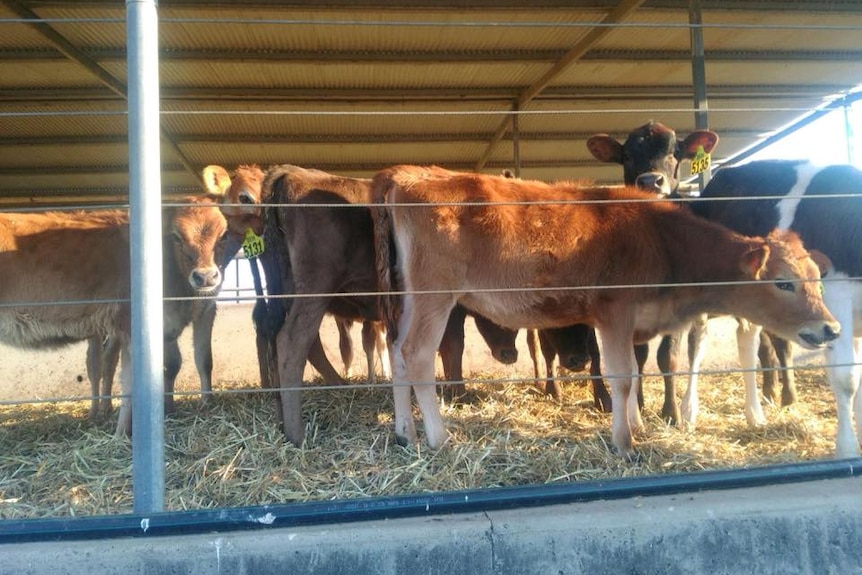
(651, 155)
(824, 206)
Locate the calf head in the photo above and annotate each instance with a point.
(572, 344)
(240, 196)
(787, 299)
(500, 340)
(197, 231)
(651, 155)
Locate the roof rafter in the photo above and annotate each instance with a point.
(618, 14)
(76, 55)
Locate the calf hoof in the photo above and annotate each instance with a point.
(123, 430)
(755, 417)
(601, 397)
(402, 441)
(554, 389)
(788, 397)
(438, 440)
(670, 414)
(454, 392)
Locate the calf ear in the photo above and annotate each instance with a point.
(605, 149)
(823, 262)
(754, 261)
(706, 138)
(216, 180)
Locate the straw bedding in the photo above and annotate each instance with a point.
(55, 462)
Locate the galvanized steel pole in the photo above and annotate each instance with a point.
(698, 76)
(516, 139)
(145, 213)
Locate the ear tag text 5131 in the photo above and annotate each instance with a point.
(252, 244)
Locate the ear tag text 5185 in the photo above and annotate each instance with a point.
(700, 162)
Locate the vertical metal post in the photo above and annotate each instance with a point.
(145, 214)
(516, 139)
(698, 76)
(848, 129)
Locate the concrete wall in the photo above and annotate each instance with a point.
(809, 528)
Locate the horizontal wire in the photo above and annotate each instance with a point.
(360, 113)
(440, 23)
(501, 112)
(551, 202)
(518, 381)
(463, 291)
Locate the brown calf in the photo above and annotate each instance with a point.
(324, 247)
(244, 187)
(84, 257)
(629, 266)
(201, 228)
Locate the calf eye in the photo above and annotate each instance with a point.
(785, 286)
(245, 198)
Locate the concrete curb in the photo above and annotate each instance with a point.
(810, 528)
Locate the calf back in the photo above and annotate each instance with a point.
(63, 257)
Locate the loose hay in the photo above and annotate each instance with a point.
(55, 462)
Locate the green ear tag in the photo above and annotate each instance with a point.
(700, 162)
(252, 244)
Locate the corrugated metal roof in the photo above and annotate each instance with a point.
(354, 86)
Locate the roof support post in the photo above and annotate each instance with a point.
(145, 215)
(516, 140)
(698, 76)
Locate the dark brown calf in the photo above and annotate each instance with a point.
(331, 252)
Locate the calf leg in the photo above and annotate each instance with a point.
(601, 398)
(452, 353)
(374, 344)
(784, 351)
(103, 354)
(420, 331)
(533, 348)
(748, 340)
(94, 372)
(345, 345)
(173, 362)
(124, 418)
(767, 354)
(641, 354)
(383, 349)
(202, 334)
(668, 363)
(697, 337)
(110, 359)
(618, 359)
(295, 339)
(549, 353)
(267, 361)
(843, 371)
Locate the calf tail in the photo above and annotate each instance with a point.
(388, 303)
(270, 316)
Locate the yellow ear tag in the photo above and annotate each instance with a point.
(252, 244)
(700, 162)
